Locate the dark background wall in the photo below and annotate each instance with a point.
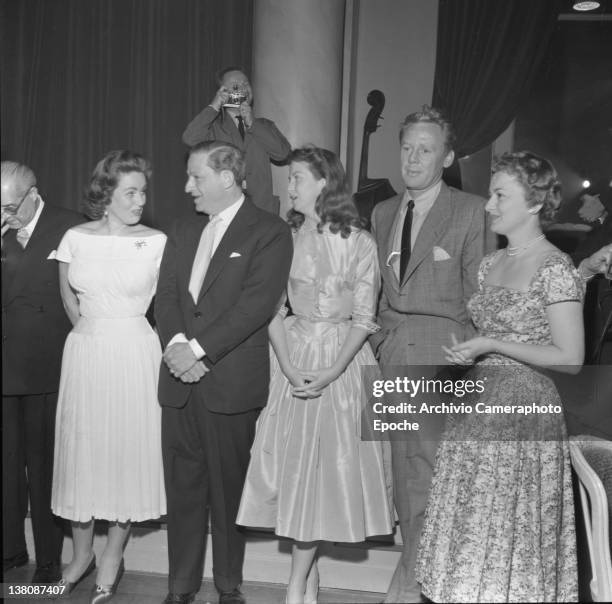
(568, 115)
(82, 77)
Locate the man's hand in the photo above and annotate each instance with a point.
(221, 97)
(246, 112)
(5, 226)
(180, 358)
(591, 208)
(195, 374)
(571, 227)
(599, 262)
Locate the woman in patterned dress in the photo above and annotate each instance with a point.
(499, 524)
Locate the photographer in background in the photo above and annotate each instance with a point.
(229, 118)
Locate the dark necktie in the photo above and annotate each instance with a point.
(23, 237)
(241, 126)
(12, 252)
(406, 243)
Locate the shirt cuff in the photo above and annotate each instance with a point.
(197, 349)
(181, 338)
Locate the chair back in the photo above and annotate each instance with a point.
(592, 462)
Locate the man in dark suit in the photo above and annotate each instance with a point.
(230, 119)
(221, 278)
(431, 240)
(34, 327)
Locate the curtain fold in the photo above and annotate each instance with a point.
(488, 53)
(82, 77)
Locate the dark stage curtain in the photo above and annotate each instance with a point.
(488, 53)
(82, 77)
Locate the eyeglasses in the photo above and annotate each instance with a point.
(13, 208)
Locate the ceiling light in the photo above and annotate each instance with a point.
(582, 6)
(586, 184)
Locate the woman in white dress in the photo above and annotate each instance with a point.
(108, 446)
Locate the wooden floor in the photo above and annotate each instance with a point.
(150, 588)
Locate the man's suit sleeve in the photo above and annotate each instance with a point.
(473, 252)
(168, 316)
(376, 339)
(267, 279)
(271, 139)
(199, 129)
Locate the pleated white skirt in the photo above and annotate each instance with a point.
(108, 461)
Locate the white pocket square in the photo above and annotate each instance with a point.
(235, 255)
(52, 255)
(440, 253)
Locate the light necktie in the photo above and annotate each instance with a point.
(241, 126)
(22, 237)
(406, 240)
(203, 257)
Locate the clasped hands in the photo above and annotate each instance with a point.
(310, 384)
(465, 353)
(183, 364)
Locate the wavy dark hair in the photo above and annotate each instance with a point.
(538, 178)
(105, 178)
(335, 205)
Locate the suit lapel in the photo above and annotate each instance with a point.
(12, 255)
(32, 254)
(433, 228)
(229, 125)
(191, 243)
(386, 232)
(235, 235)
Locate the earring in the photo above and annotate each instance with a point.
(105, 213)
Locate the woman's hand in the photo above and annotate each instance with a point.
(465, 353)
(315, 381)
(294, 376)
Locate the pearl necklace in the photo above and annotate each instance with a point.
(515, 251)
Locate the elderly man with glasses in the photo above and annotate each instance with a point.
(34, 326)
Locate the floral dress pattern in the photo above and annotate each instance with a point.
(499, 525)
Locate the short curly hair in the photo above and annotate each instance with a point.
(335, 205)
(538, 178)
(105, 178)
(222, 156)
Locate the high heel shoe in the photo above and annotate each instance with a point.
(70, 585)
(103, 593)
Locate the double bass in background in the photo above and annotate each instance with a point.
(371, 190)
